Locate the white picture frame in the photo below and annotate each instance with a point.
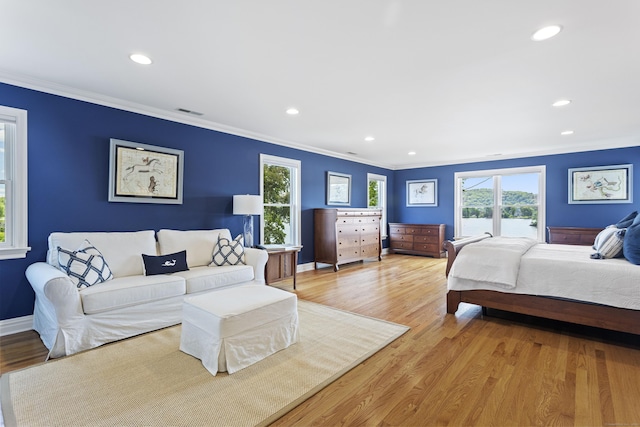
(422, 193)
(338, 189)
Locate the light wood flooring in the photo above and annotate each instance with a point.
(463, 369)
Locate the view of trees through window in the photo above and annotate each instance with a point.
(516, 196)
(277, 204)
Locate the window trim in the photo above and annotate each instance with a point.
(296, 210)
(385, 207)
(497, 196)
(16, 189)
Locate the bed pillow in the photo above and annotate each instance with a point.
(164, 264)
(627, 220)
(228, 252)
(631, 246)
(608, 243)
(85, 266)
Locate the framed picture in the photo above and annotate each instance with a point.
(338, 189)
(601, 184)
(140, 173)
(422, 192)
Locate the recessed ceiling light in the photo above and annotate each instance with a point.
(369, 138)
(293, 111)
(561, 102)
(566, 132)
(411, 153)
(140, 59)
(546, 33)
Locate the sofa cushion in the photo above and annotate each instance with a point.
(121, 250)
(85, 266)
(228, 252)
(208, 278)
(198, 244)
(130, 291)
(164, 264)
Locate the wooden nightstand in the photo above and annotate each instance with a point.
(282, 264)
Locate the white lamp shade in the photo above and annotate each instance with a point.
(247, 204)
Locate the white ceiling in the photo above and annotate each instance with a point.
(454, 80)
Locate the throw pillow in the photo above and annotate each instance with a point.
(627, 220)
(163, 264)
(631, 246)
(609, 243)
(227, 252)
(85, 266)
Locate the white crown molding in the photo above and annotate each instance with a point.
(107, 101)
(15, 325)
(99, 99)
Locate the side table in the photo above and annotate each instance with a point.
(282, 264)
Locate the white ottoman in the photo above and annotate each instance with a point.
(233, 328)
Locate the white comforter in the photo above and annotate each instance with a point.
(563, 271)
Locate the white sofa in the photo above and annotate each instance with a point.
(70, 319)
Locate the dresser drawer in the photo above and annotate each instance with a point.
(425, 247)
(399, 244)
(426, 239)
(397, 230)
(370, 239)
(369, 251)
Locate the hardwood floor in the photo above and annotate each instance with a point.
(466, 369)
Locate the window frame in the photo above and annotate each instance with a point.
(16, 195)
(497, 196)
(383, 180)
(296, 193)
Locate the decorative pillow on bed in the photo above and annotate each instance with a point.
(164, 264)
(85, 266)
(608, 243)
(627, 220)
(227, 252)
(631, 244)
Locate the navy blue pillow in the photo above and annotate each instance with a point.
(631, 245)
(164, 264)
(627, 220)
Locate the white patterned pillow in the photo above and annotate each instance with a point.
(85, 266)
(227, 252)
(609, 242)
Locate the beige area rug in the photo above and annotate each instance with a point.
(147, 381)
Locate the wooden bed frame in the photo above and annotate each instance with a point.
(582, 313)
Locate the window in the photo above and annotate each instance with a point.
(518, 194)
(280, 184)
(13, 183)
(377, 191)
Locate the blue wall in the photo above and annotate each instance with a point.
(68, 181)
(559, 211)
(69, 168)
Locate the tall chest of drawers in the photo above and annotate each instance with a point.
(418, 239)
(346, 235)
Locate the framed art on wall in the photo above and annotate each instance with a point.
(141, 173)
(601, 184)
(422, 192)
(338, 189)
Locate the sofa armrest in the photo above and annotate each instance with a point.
(257, 258)
(55, 290)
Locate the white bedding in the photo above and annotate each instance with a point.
(566, 271)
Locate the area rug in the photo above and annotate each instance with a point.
(147, 381)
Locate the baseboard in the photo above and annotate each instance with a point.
(15, 325)
(311, 265)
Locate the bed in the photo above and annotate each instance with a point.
(554, 281)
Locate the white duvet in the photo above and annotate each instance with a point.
(563, 271)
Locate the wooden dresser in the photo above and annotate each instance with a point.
(418, 239)
(346, 235)
(573, 235)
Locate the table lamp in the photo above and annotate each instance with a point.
(247, 205)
